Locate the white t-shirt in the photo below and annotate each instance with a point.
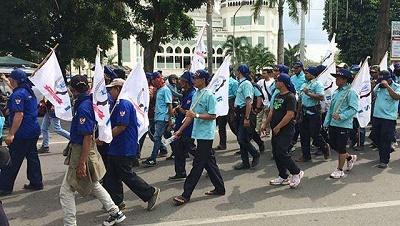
(266, 87)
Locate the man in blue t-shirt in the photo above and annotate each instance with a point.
(23, 135)
(122, 152)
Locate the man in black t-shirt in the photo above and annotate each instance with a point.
(281, 119)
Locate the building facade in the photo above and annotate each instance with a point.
(172, 57)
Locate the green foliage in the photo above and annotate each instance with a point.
(256, 57)
(292, 54)
(355, 34)
(293, 6)
(29, 28)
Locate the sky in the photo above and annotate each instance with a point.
(316, 38)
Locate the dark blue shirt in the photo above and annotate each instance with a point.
(21, 100)
(83, 121)
(186, 102)
(126, 143)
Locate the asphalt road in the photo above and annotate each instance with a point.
(366, 196)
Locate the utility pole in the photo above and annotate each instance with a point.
(302, 35)
(234, 29)
(210, 59)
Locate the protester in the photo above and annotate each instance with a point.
(48, 119)
(203, 114)
(281, 120)
(22, 136)
(339, 120)
(265, 82)
(85, 165)
(385, 115)
(243, 107)
(309, 114)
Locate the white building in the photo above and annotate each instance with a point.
(174, 56)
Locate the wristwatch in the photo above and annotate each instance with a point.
(197, 115)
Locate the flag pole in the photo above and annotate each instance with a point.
(45, 59)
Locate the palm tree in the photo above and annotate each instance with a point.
(292, 54)
(240, 43)
(293, 13)
(260, 57)
(382, 37)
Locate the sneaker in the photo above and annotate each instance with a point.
(220, 147)
(241, 166)
(33, 187)
(337, 174)
(153, 201)
(149, 163)
(350, 164)
(136, 162)
(114, 218)
(382, 165)
(279, 181)
(296, 179)
(302, 159)
(177, 177)
(171, 157)
(43, 150)
(256, 160)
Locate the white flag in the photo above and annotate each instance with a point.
(330, 53)
(136, 90)
(329, 83)
(362, 85)
(219, 85)
(101, 106)
(384, 62)
(198, 59)
(50, 82)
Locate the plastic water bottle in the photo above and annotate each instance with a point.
(169, 140)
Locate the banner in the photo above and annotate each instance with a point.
(330, 53)
(329, 83)
(50, 82)
(198, 59)
(136, 90)
(219, 85)
(101, 106)
(384, 62)
(362, 85)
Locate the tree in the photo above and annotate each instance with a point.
(28, 30)
(292, 54)
(356, 34)
(382, 37)
(241, 48)
(293, 13)
(260, 57)
(156, 22)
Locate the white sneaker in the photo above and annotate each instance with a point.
(350, 163)
(337, 174)
(279, 181)
(295, 181)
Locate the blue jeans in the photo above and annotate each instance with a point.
(47, 120)
(19, 150)
(159, 128)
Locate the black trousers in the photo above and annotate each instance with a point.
(244, 136)
(280, 150)
(182, 147)
(310, 128)
(103, 152)
(3, 217)
(384, 137)
(204, 159)
(226, 119)
(120, 169)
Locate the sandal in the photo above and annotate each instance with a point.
(180, 200)
(214, 192)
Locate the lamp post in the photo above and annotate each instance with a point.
(234, 29)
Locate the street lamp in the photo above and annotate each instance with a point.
(234, 28)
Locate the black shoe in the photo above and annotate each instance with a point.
(43, 150)
(261, 148)
(153, 201)
(149, 163)
(256, 160)
(241, 166)
(163, 154)
(136, 163)
(220, 147)
(5, 193)
(382, 165)
(31, 187)
(237, 153)
(177, 178)
(171, 157)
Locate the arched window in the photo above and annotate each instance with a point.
(178, 50)
(160, 49)
(213, 50)
(186, 50)
(219, 51)
(169, 49)
(193, 50)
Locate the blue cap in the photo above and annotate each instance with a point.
(285, 79)
(244, 69)
(343, 73)
(203, 74)
(354, 68)
(19, 76)
(282, 68)
(385, 75)
(110, 73)
(313, 71)
(321, 68)
(188, 77)
(149, 75)
(396, 66)
(298, 64)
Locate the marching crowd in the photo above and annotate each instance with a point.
(281, 103)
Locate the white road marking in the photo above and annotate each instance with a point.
(281, 213)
